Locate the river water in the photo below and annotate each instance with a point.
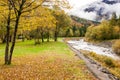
(81, 44)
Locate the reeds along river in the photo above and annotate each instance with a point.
(81, 44)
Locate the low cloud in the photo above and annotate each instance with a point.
(108, 9)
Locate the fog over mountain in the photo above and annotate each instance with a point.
(97, 10)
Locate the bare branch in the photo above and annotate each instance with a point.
(13, 5)
(29, 5)
(34, 7)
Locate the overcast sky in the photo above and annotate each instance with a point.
(79, 3)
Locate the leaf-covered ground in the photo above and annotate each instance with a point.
(51, 64)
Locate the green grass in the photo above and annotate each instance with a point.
(28, 47)
(47, 61)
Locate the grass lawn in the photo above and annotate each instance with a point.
(47, 61)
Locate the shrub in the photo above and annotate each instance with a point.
(116, 47)
(103, 59)
(109, 62)
(103, 31)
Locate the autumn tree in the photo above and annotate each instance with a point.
(43, 22)
(2, 32)
(2, 28)
(118, 24)
(25, 26)
(3, 21)
(113, 20)
(63, 21)
(102, 32)
(118, 21)
(112, 23)
(19, 7)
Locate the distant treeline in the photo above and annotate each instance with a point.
(79, 27)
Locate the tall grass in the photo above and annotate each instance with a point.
(112, 65)
(116, 47)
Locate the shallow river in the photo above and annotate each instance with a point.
(81, 44)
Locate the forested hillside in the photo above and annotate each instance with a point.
(79, 26)
(84, 21)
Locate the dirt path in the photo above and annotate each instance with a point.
(100, 72)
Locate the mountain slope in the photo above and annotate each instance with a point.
(99, 10)
(83, 22)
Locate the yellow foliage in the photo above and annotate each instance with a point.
(39, 18)
(104, 31)
(117, 29)
(43, 18)
(116, 47)
(47, 66)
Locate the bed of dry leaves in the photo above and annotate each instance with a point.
(45, 67)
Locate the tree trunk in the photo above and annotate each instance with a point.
(119, 33)
(42, 36)
(14, 38)
(48, 36)
(10, 39)
(7, 46)
(38, 41)
(35, 41)
(7, 38)
(55, 36)
(23, 38)
(4, 39)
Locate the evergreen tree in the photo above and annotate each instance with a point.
(113, 19)
(118, 24)
(112, 23)
(118, 21)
